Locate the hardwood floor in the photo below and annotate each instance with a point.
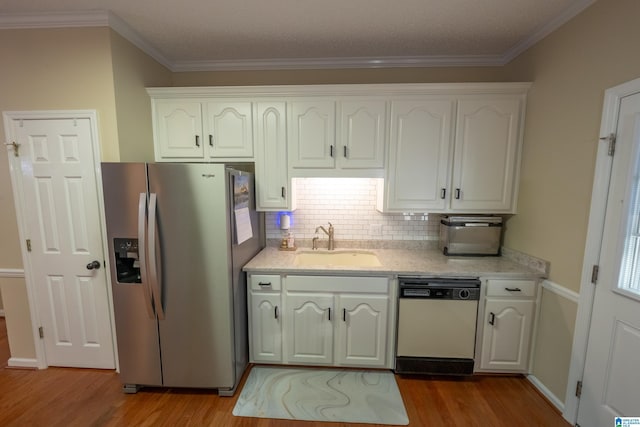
(88, 397)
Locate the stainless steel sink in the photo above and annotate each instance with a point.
(345, 258)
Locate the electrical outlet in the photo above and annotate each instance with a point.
(375, 229)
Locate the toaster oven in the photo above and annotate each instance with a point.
(470, 235)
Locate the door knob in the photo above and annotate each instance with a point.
(93, 265)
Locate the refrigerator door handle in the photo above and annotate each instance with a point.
(142, 253)
(154, 266)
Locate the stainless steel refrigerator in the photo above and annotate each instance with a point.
(178, 290)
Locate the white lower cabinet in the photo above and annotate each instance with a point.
(309, 328)
(265, 314)
(362, 330)
(325, 320)
(507, 325)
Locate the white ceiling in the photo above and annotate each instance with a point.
(260, 34)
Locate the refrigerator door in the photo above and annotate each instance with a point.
(193, 258)
(125, 196)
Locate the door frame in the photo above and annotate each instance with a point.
(20, 207)
(595, 231)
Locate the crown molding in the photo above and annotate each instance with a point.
(340, 63)
(91, 18)
(103, 18)
(569, 13)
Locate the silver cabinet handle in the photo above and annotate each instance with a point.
(345, 151)
(443, 193)
(457, 193)
(275, 312)
(513, 289)
(331, 150)
(329, 313)
(211, 140)
(264, 284)
(284, 193)
(492, 318)
(344, 314)
(197, 140)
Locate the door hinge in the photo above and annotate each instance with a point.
(594, 274)
(579, 389)
(41, 332)
(28, 245)
(611, 139)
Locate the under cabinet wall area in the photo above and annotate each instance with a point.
(438, 147)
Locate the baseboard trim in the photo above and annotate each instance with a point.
(19, 362)
(552, 398)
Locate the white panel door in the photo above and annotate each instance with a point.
(486, 145)
(178, 129)
(507, 334)
(309, 328)
(363, 133)
(362, 330)
(229, 129)
(63, 224)
(266, 330)
(272, 175)
(611, 381)
(419, 156)
(312, 135)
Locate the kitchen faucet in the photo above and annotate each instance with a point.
(328, 233)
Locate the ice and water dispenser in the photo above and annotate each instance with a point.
(127, 261)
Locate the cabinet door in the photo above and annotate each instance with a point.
(362, 330)
(486, 148)
(178, 129)
(362, 134)
(272, 183)
(229, 129)
(266, 330)
(309, 328)
(419, 156)
(312, 135)
(505, 343)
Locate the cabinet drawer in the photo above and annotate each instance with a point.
(511, 288)
(265, 282)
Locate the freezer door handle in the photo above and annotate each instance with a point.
(142, 253)
(154, 266)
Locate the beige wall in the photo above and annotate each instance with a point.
(17, 317)
(132, 72)
(62, 69)
(570, 69)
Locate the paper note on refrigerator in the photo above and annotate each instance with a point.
(243, 225)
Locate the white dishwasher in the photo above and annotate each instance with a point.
(437, 325)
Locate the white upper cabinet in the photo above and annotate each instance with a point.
(178, 129)
(193, 130)
(456, 155)
(486, 150)
(362, 134)
(312, 134)
(419, 155)
(273, 186)
(332, 138)
(229, 129)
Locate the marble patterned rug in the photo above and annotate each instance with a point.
(310, 394)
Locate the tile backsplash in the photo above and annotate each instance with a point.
(350, 205)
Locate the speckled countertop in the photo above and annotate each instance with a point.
(414, 262)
